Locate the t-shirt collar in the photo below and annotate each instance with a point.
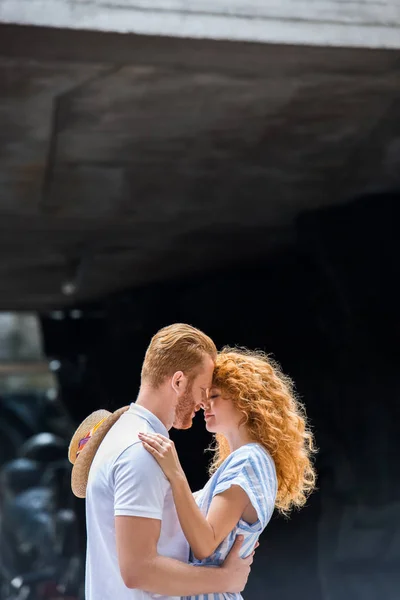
(151, 418)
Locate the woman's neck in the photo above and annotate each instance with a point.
(237, 438)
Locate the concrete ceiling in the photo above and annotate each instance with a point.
(126, 160)
(361, 24)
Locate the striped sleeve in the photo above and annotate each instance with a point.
(251, 468)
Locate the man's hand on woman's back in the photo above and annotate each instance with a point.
(238, 569)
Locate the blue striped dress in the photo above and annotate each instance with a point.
(253, 469)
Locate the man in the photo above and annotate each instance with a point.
(136, 548)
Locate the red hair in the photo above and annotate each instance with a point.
(273, 417)
(178, 347)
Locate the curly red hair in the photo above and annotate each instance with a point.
(273, 417)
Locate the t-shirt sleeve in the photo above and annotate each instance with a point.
(139, 484)
(254, 471)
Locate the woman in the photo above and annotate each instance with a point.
(262, 458)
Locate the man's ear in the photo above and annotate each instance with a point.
(178, 382)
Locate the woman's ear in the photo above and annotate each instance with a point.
(179, 382)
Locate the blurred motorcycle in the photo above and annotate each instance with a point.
(40, 546)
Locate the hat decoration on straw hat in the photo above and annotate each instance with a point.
(85, 443)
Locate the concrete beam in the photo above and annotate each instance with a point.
(358, 23)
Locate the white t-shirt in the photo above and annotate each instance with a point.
(126, 480)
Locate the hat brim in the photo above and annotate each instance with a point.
(83, 430)
(83, 462)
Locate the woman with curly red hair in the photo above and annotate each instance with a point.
(262, 459)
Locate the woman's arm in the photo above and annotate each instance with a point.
(203, 534)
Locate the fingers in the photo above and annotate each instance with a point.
(237, 544)
(155, 436)
(248, 560)
(152, 450)
(163, 438)
(249, 557)
(151, 441)
(149, 436)
(158, 441)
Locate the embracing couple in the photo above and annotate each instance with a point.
(148, 536)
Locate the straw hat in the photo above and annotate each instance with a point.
(84, 444)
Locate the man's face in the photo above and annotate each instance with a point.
(196, 393)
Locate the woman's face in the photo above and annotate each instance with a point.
(220, 413)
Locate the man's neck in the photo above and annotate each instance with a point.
(154, 400)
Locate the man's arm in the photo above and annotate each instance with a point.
(143, 568)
